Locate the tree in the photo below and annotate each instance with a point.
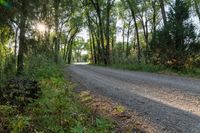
(176, 41)
(131, 6)
(162, 7)
(97, 7)
(109, 5)
(196, 7)
(22, 43)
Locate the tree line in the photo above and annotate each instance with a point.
(37, 27)
(159, 32)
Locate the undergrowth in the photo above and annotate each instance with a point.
(57, 110)
(189, 72)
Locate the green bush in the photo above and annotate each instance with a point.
(7, 114)
(139, 67)
(58, 109)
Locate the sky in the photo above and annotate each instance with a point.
(84, 32)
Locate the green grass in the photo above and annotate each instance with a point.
(57, 110)
(192, 72)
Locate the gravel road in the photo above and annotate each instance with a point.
(170, 102)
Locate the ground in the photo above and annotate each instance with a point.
(165, 103)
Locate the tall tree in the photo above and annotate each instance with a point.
(197, 7)
(56, 17)
(97, 7)
(109, 4)
(22, 41)
(162, 7)
(132, 6)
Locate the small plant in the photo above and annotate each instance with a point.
(55, 109)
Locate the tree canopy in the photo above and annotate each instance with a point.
(119, 31)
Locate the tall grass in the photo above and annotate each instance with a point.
(189, 72)
(57, 110)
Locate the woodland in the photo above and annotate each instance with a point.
(39, 37)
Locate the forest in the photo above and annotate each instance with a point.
(39, 37)
(160, 32)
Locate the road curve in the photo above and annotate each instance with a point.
(170, 102)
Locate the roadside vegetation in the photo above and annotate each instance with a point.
(51, 105)
(157, 36)
(38, 36)
(192, 72)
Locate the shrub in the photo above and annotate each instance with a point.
(176, 42)
(57, 108)
(19, 92)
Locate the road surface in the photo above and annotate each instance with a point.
(171, 102)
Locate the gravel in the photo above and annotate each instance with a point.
(172, 103)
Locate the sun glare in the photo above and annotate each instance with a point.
(41, 27)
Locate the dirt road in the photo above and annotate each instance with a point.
(171, 102)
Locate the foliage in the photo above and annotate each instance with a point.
(19, 92)
(7, 114)
(56, 110)
(176, 42)
(188, 72)
(139, 67)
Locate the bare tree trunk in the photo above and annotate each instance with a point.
(162, 6)
(94, 48)
(69, 48)
(113, 41)
(108, 30)
(91, 49)
(56, 41)
(154, 17)
(15, 47)
(92, 39)
(70, 52)
(22, 43)
(136, 30)
(138, 39)
(127, 43)
(98, 48)
(197, 8)
(100, 24)
(123, 36)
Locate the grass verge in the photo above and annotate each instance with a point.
(57, 110)
(192, 72)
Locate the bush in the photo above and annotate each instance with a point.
(176, 42)
(139, 67)
(19, 92)
(57, 108)
(7, 114)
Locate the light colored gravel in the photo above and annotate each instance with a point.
(170, 102)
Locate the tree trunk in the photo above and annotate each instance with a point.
(154, 17)
(92, 39)
(136, 30)
(123, 38)
(56, 6)
(69, 47)
(100, 24)
(138, 39)
(70, 52)
(98, 48)
(197, 9)
(162, 6)
(127, 43)
(108, 31)
(15, 47)
(94, 49)
(91, 49)
(102, 39)
(22, 43)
